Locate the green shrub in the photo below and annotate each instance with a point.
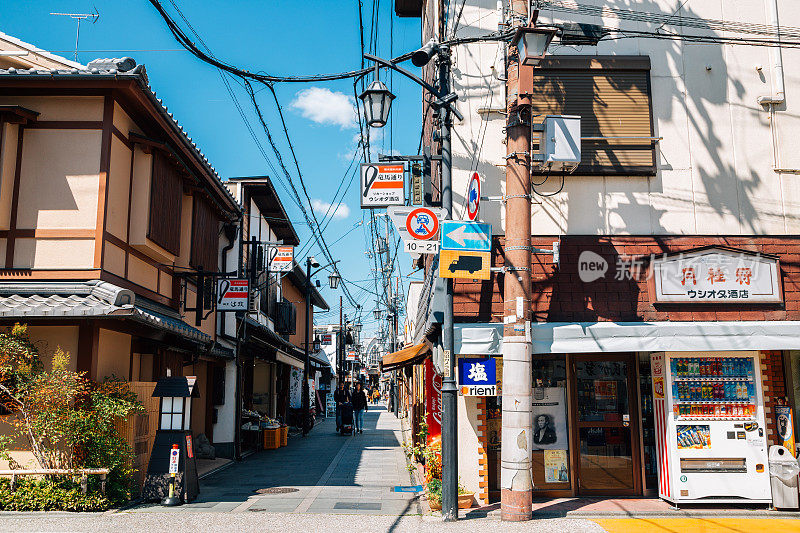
(46, 495)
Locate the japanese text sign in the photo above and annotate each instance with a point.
(715, 276)
(477, 376)
(382, 184)
(281, 258)
(174, 457)
(232, 294)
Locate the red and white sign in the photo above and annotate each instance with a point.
(433, 401)
(351, 356)
(383, 184)
(473, 196)
(281, 258)
(422, 224)
(232, 294)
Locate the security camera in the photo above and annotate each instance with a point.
(421, 57)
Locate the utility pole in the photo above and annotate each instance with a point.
(515, 452)
(304, 388)
(340, 346)
(449, 388)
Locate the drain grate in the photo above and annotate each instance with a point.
(276, 490)
(363, 506)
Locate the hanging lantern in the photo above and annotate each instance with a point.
(377, 100)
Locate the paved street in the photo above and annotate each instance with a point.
(321, 473)
(326, 482)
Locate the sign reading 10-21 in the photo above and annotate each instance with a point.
(383, 184)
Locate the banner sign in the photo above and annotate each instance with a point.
(383, 184)
(281, 258)
(232, 294)
(716, 275)
(433, 401)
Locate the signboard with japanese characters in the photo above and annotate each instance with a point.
(383, 184)
(716, 275)
(281, 258)
(232, 294)
(477, 376)
(418, 227)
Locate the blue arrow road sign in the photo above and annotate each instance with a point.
(462, 235)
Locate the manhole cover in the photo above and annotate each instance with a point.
(276, 490)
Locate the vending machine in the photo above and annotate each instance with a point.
(710, 433)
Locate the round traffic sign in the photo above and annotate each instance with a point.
(473, 196)
(422, 223)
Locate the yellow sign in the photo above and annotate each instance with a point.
(464, 265)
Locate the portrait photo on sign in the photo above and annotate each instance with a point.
(550, 419)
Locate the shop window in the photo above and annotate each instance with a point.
(205, 236)
(550, 456)
(648, 423)
(612, 96)
(166, 192)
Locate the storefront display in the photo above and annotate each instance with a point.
(710, 427)
(550, 441)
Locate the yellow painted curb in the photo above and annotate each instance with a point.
(699, 525)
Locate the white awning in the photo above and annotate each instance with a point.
(592, 337)
(286, 359)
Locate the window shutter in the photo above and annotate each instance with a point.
(612, 98)
(166, 191)
(205, 235)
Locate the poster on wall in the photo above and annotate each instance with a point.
(785, 423)
(295, 388)
(555, 466)
(433, 401)
(550, 419)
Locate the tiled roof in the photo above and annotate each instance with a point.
(38, 51)
(84, 299)
(122, 68)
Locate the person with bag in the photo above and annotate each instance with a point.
(341, 396)
(359, 401)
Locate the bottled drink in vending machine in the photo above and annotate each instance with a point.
(748, 363)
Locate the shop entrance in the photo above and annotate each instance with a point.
(606, 427)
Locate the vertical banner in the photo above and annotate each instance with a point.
(784, 419)
(433, 401)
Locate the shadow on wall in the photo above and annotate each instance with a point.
(702, 174)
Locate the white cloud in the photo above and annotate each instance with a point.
(341, 212)
(324, 106)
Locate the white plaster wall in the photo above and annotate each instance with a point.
(468, 442)
(715, 161)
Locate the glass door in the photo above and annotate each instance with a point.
(607, 424)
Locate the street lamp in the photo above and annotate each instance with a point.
(334, 280)
(377, 100)
(377, 313)
(532, 43)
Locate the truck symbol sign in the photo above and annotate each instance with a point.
(468, 263)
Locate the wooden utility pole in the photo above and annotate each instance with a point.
(515, 464)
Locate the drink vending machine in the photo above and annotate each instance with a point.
(710, 432)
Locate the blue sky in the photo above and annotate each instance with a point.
(279, 37)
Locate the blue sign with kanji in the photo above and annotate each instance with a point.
(477, 371)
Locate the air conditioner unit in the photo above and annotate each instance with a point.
(559, 144)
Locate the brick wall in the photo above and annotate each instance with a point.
(558, 295)
(483, 457)
(773, 382)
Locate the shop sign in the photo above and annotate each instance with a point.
(477, 377)
(351, 356)
(382, 185)
(433, 401)
(326, 339)
(232, 294)
(281, 258)
(716, 275)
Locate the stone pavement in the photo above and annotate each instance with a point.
(323, 472)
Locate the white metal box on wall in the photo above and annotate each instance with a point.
(560, 143)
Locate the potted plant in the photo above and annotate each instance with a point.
(465, 497)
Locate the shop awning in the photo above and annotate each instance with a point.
(407, 356)
(595, 337)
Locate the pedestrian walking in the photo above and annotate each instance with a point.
(359, 401)
(341, 396)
